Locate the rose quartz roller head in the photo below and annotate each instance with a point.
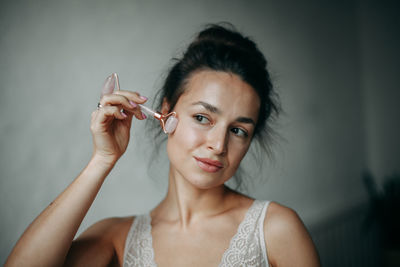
(168, 122)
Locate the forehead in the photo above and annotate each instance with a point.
(224, 90)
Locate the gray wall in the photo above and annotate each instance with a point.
(380, 64)
(336, 80)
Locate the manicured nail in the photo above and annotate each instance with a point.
(133, 104)
(144, 116)
(123, 114)
(143, 97)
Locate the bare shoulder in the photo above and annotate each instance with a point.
(101, 244)
(287, 240)
(281, 220)
(108, 228)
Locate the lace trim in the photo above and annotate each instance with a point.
(244, 248)
(140, 247)
(261, 231)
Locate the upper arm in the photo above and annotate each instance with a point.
(287, 240)
(100, 245)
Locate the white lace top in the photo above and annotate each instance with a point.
(246, 248)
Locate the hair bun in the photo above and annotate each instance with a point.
(225, 36)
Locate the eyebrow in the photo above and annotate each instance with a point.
(246, 120)
(216, 110)
(208, 106)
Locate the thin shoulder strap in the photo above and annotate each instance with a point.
(261, 230)
(128, 240)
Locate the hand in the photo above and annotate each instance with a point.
(110, 126)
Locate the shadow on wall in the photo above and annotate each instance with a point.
(367, 235)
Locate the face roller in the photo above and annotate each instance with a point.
(168, 122)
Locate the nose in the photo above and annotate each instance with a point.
(218, 140)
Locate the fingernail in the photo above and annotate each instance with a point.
(123, 114)
(143, 97)
(144, 116)
(133, 104)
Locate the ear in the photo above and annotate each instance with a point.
(165, 107)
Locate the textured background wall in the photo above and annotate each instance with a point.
(334, 65)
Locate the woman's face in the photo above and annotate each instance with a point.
(217, 115)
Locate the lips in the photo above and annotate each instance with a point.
(209, 165)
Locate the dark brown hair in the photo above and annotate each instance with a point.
(220, 47)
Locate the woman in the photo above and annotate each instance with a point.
(223, 98)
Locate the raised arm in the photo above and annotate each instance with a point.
(48, 238)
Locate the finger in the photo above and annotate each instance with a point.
(93, 116)
(118, 100)
(136, 98)
(102, 118)
(107, 112)
(137, 113)
(122, 103)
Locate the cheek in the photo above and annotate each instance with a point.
(236, 153)
(184, 139)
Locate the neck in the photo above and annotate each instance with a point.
(187, 203)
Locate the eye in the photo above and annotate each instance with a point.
(239, 132)
(201, 119)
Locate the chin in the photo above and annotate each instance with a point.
(206, 181)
